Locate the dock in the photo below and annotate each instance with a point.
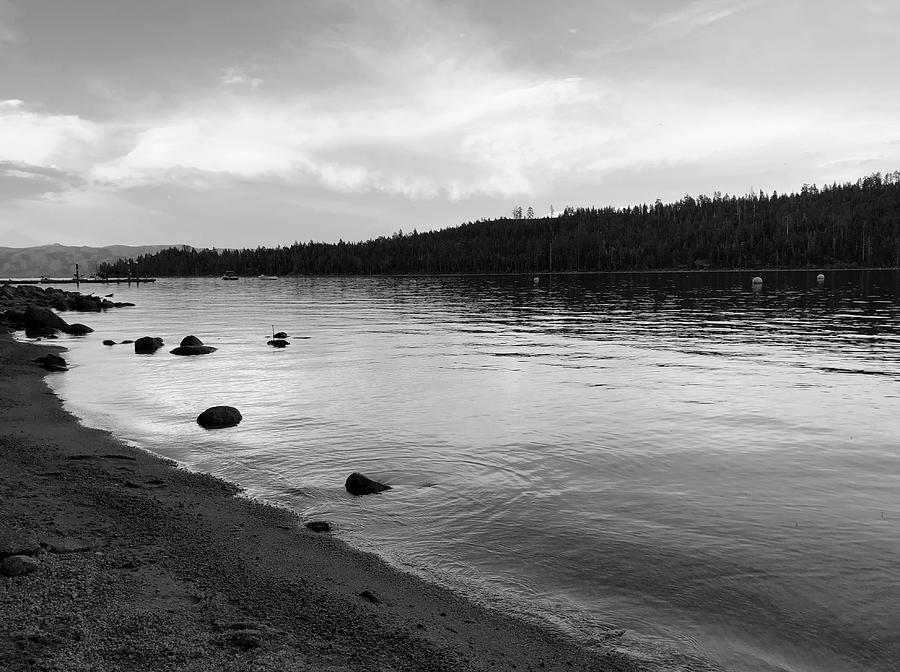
(79, 281)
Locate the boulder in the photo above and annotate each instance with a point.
(40, 332)
(190, 340)
(189, 350)
(109, 342)
(53, 362)
(18, 542)
(357, 484)
(37, 317)
(277, 343)
(219, 416)
(86, 304)
(147, 345)
(280, 334)
(16, 565)
(78, 329)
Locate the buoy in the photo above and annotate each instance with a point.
(820, 278)
(757, 280)
(537, 280)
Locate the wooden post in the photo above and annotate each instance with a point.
(77, 279)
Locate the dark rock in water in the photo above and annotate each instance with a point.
(319, 526)
(108, 342)
(127, 342)
(357, 484)
(18, 542)
(122, 304)
(280, 334)
(17, 565)
(86, 304)
(78, 329)
(40, 332)
(219, 416)
(190, 340)
(277, 343)
(43, 318)
(188, 350)
(53, 362)
(147, 345)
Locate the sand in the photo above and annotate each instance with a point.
(146, 566)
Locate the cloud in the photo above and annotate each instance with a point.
(41, 139)
(237, 77)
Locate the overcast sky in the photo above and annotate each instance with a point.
(234, 123)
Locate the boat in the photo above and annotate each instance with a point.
(267, 277)
(230, 275)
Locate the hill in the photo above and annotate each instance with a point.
(840, 225)
(58, 261)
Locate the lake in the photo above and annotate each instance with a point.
(701, 474)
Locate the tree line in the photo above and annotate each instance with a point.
(855, 224)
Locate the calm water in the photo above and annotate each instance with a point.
(713, 470)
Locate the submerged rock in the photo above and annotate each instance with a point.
(357, 484)
(319, 526)
(277, 343)
(147, 345)
(109, 342)
(219, 416)
(188, 341)
(78, 329)
(189, 350)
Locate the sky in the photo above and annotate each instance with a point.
(230, 123)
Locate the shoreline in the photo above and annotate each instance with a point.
(147, 566)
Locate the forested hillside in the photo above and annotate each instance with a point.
(852, 224)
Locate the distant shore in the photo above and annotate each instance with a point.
(145, 566)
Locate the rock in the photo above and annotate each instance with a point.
(18, 542)
(280, 334)
(78, 329)
(40, 332)
(319, 526)
(369, 596)
(189, 341)
(147, 345)
(53, 362)
(188, 350)
(17, 565)
(86, 304)
(127, 342)
(357, 484)
(245, 639)
(108, 342)
(277, 343)
(43, 318)
(65, 546)
(219, 416)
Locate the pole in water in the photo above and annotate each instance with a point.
(77, 279)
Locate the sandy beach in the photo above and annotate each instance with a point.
(140, 565)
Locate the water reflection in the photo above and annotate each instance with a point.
(709, 467)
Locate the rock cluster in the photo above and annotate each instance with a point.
(15, 300)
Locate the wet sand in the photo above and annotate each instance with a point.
(145, 566)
